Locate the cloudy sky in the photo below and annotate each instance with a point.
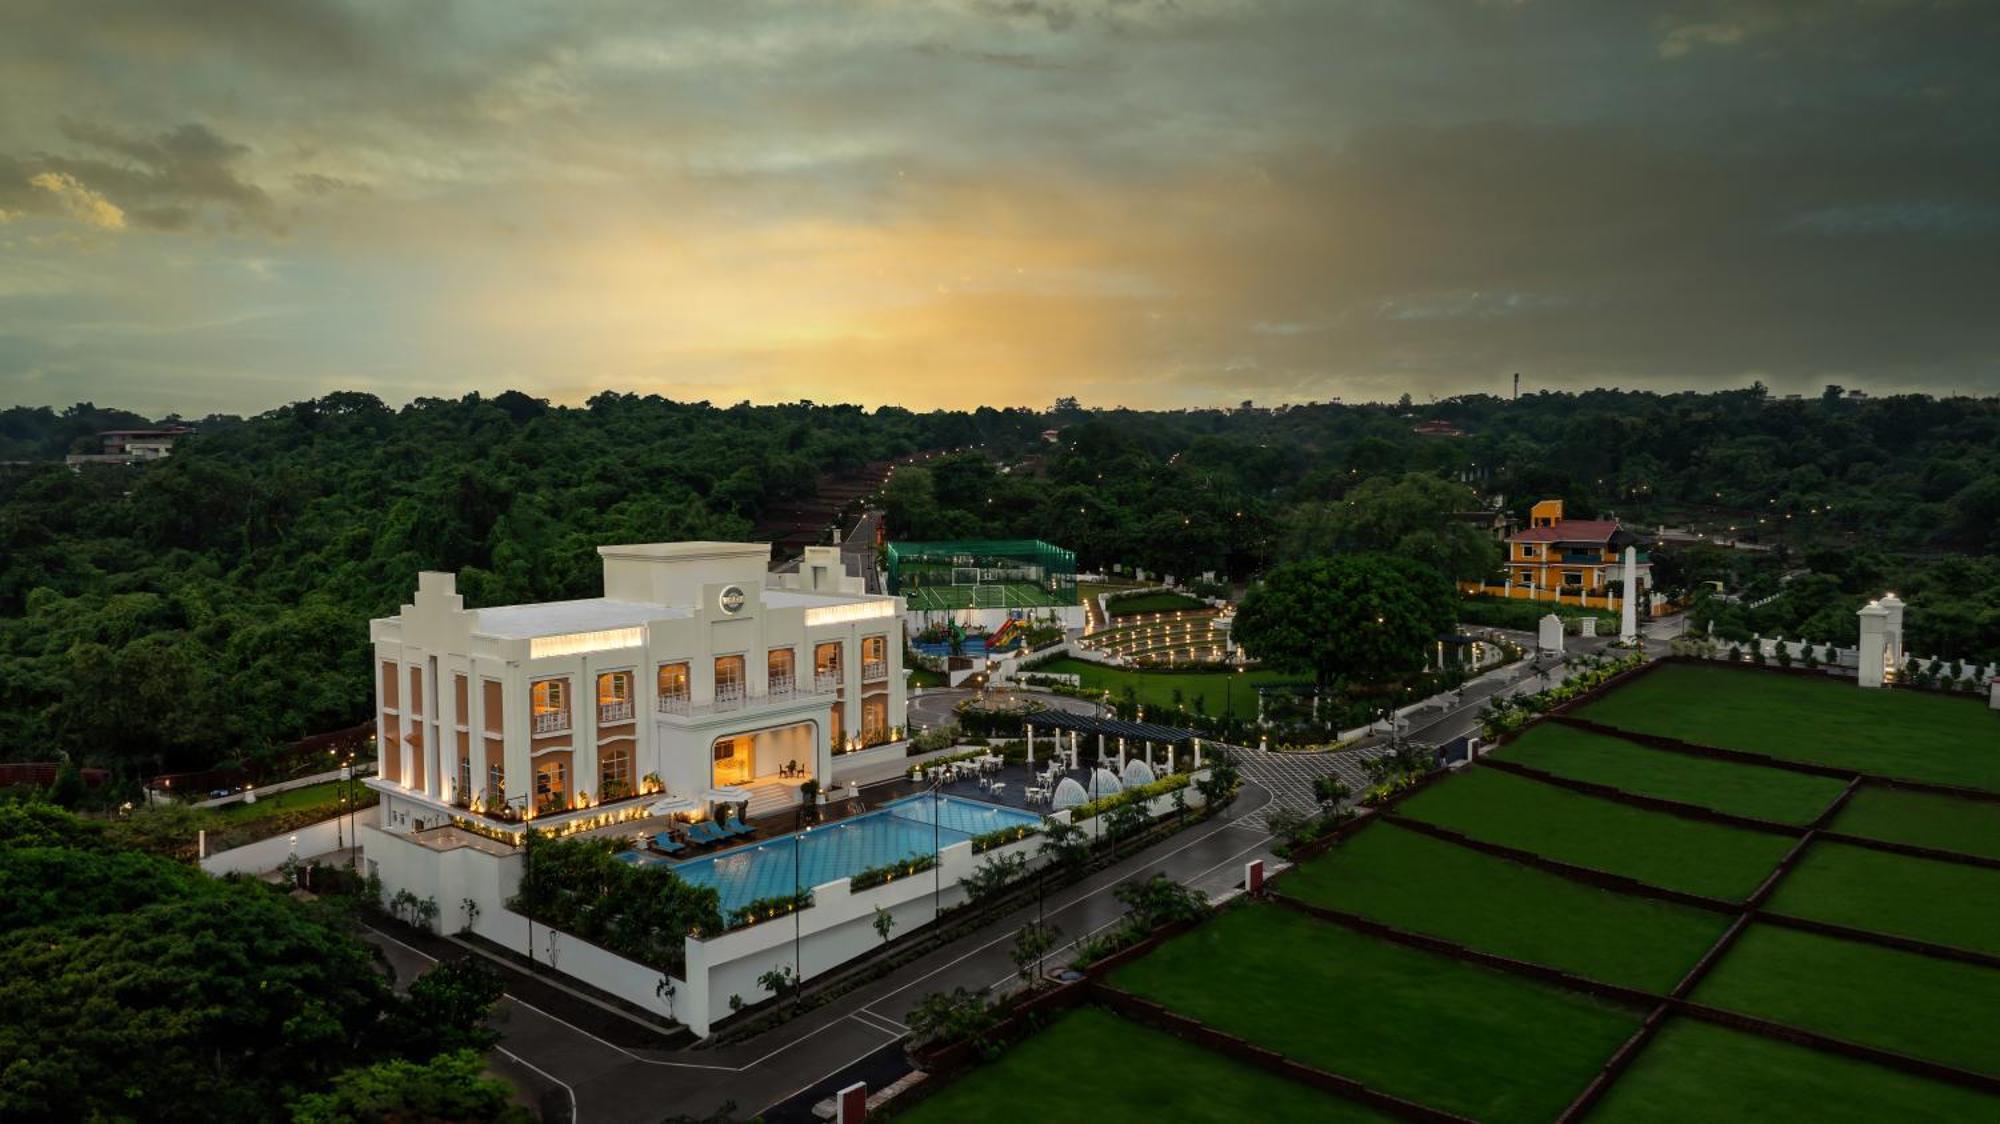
(230, 204)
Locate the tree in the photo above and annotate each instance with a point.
(446, 1088)
(1031, 945)
(1365, 618)
(1410, 517)
(884, 923)
(447, 1008)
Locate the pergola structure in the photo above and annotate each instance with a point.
(1121, 733)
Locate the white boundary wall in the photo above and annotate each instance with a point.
(267, 855)
(838, 927)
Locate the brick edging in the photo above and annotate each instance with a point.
(1147, 1013)
(1592, 876)
(1640, 800)
(1883, 940)
(1911, 850)
(1696, 749)
(1784, 1032)
(1617, 993)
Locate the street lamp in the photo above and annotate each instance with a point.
(937, 848)
(798, 921)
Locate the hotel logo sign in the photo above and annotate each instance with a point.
(731, 600)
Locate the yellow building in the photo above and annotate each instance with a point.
(1569, 555)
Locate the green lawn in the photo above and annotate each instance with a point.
(1153, 603)
(1091, 1066)
(1941, 902)
(1655, 847)
(1426, 885)
(323, 795)
(1220, 691)
(1743, 790)
(1901, 1001)
(1423, 1026)
(1699, 1071)
(1923, 819)
(1884, 732)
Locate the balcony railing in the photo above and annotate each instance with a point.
(872, 670)
(673, 704)
(620, 711)
(781, 686)
(729, 696)
(827, 681)
(551, 722)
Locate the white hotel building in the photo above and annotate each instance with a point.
(697, 675)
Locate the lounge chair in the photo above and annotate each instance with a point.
(734, 826)
(705, 832)
(666, 844)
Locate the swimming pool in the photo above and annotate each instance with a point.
(895, 831)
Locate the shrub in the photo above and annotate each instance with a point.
(1002, 837)
(764, 909)
(957, 1015)
(889, 872)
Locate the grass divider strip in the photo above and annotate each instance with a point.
(1425, 942)
(1785, 1032)
(1696, 749)
(1911, 850)
(1679, 808)
(1748, 757)
(1602, 879)
(1883, 940)
(1147, 1013)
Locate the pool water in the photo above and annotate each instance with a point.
(891, 833)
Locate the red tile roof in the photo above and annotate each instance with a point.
(1569, 530)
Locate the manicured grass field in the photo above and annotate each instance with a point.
(1655, 847)
(1901, 1001)
(1941, 902)
(323, 795)
(1425, 885)
(1743, 790)
(1091, 1066)
(1887, 733)
(1699, 1071)
(1153, 603)
(1156, 688)
(1923, 819)
(1415, 1024)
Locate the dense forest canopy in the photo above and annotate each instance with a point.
(190, 612)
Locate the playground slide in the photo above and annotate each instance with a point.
(1004, 635)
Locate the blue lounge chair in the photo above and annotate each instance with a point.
(734, 826)
(706, 832)
(667, 845)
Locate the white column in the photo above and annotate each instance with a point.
(1628, 612)
(1197, 753)
(1874, 653)
(1893, 634)
(1031, 741)
(1121, 757)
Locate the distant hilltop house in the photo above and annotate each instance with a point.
(129, 446)
(1436, 428)
(1570, 555)
(1498, 524)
